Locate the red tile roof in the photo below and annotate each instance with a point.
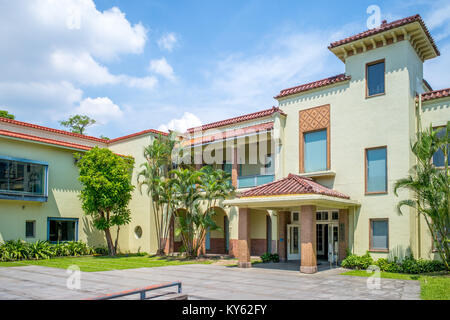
(246, 117)
(292, 184)
(230, 134)
(35, 126)
(436, 94)
(43, 140)
(385, 27)
(77, 135)
(138, 134)
(313, 85)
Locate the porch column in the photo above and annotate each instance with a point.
(234, 167)
(308, 239)
(244, 238)
(343, 233)
(283, 220)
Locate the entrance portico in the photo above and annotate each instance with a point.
(296, 201)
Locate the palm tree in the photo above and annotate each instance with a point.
(431, 187)
(198, 194)
(155, 175)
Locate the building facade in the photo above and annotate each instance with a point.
(314, 175)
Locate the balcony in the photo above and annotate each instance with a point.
(254, 180)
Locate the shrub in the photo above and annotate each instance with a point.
(13, 250)
(268, 257)
(408, 265)
(40, 250)
(275, 257)
(354, 261)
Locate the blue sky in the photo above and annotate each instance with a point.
(134, 65)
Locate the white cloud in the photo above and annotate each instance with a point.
(141, 83)
(289, 60)
(167, 41)
(188, 120)
(51, 47)
(162, 67)
(78, 24)
(39, 101)
(81, 67)
(102, 110)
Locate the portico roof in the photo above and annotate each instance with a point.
(292, 184)
(292, 191)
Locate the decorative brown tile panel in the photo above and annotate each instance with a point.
(313, 119)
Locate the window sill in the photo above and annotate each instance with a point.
(376, 193)
(318, 174)
(379, 250)
(376, 95)
(4, 196)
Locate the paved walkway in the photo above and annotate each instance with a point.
(202, 282)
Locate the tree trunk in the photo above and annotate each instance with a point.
(117, 239)
(109, 241)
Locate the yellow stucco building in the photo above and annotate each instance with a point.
(314, 175)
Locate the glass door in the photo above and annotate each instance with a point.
(293, 232)
(320, 239)
(333, 242)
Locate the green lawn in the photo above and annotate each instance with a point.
(105, 263)
(432, 286)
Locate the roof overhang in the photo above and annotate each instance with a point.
(415, 32)
(283, 202)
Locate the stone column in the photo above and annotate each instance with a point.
(234, 167)
(283, 220)
(308, 239)
(343, 233)
(244, 238)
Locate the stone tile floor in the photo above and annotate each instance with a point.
(200, 281)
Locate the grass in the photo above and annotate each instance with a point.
(433, 286)
(105, 263)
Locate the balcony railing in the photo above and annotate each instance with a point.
(253, 181)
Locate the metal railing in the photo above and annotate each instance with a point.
(141, 291)
(253, 181)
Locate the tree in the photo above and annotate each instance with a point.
(6, 114)
(107, 187)
(155, 175)
(78, 123)
(197, 194)
(104, 137)
(431, 187)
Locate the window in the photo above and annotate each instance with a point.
(438, 157)
(322, 215)
(62, 229)
(376, 170)
(30, 229)
(335, 215)
(375, 78)
(379, 235)
(295, 217)
(315, 154)
(19, 179)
